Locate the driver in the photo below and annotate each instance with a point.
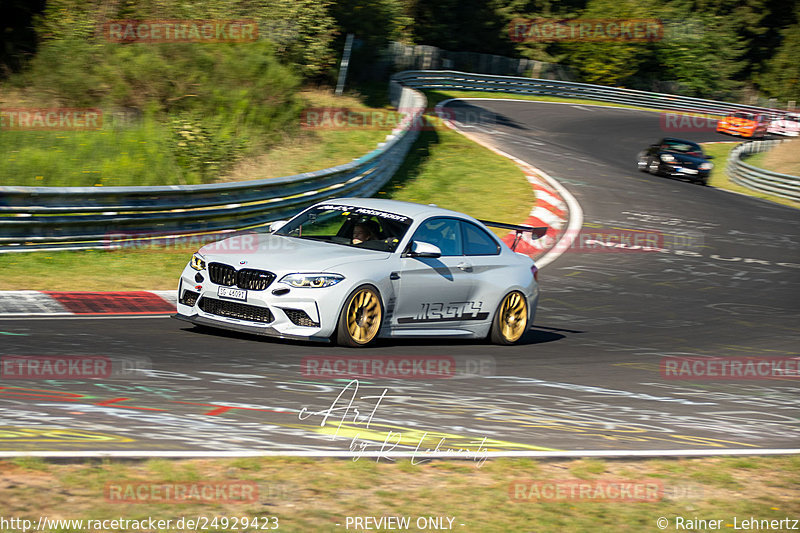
(364, 231)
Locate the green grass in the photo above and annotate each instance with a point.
(141, 154)
(135, 155)
(313, 495)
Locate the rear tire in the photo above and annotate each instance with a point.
(361, 317)
(510, 320)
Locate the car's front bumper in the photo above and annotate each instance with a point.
(741, 131)
(246, 328)
(683, 172)
(263, 312)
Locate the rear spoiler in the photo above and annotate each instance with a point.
(536, 233)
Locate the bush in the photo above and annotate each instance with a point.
(214, 101)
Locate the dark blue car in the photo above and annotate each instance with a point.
(676, 158)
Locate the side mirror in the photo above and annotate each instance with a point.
(278, 224)
(424, 249)
(709, 157)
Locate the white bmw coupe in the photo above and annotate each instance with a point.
(351, 270)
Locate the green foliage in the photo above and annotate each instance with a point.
(243, 82)
(307, 36)
(462, 25)
(607, 63)
(206, 105)
(302, 30)
(781, 78)
(203, 148)
(700, 54)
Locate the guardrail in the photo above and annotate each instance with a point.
(91, 217)
(464, 81)
(760, 179)
(98, 217)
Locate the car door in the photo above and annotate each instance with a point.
(432, 292)
(489, 271)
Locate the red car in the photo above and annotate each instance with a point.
(744, 124)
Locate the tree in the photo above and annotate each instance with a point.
(781, 78)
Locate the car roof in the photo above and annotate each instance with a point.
(675, 139)
(408, 209)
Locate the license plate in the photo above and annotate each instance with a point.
(687, 170)
(233, 294)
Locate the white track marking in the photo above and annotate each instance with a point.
(557, 454)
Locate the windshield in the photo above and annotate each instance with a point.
(684, 148)
(347, 225)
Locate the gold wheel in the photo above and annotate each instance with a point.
(511, 320)
(361, 318)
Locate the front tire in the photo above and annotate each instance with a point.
(641, 163)
(361, 317)
(652, 166)
(511, 319)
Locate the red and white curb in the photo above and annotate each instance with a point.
(86, 303)
(555, 208)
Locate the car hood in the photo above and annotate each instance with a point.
(279, 253)
(741, 122)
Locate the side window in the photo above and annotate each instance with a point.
(443, 232)
(477, 241)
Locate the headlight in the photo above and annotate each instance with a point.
(197, 262)
(706, 166)
(312, 280)
(667, 158)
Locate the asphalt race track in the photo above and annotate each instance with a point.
(726, 283)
